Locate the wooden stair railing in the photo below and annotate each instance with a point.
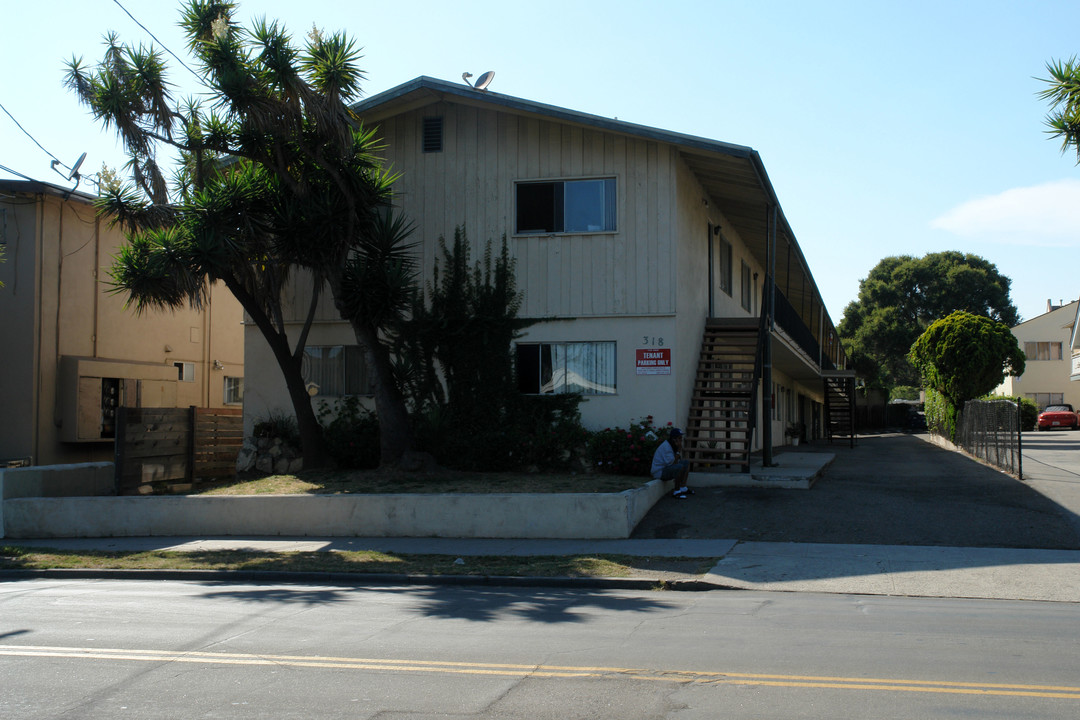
(840, 408)
(720, 426)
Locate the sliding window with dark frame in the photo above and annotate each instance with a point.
(565, 206)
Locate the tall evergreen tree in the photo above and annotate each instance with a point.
(902, 296)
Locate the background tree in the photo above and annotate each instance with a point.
(277, 174)
(965, 356)
(1064, 98)
(903, 295)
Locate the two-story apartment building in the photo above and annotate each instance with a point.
(630, 242)
(72, 352)
(1046, 341)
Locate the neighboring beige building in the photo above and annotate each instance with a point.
(1047, 342)
(628, 239)
(1074, 343)
(72, 352)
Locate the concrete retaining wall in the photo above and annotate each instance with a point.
(80, 479)
(506, 515)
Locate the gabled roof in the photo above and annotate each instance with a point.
(732, 175)
(37, 187)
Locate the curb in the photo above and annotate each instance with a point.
(358, 579)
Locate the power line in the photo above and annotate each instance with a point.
(157, 41)
(13, 172)
(29, 135)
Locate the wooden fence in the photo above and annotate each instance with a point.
(159, 447)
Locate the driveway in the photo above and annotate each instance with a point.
(890, 489)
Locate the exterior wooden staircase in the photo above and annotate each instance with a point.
(722, 417)
(840, 406)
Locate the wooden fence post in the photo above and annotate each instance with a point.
(189, 472)
(119, 446)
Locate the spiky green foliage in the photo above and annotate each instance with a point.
(1063, 94)
(274, 173)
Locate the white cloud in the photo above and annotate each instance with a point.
(1046, 215)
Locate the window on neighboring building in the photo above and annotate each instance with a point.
(336, 370)
(574, 367)
(234, 391)
(1043, 400)
(747, 288)
(1042, 350)
(185, 371)
(566, 206)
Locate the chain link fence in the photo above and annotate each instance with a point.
(990, 430)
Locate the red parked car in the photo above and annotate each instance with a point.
(1058, 416)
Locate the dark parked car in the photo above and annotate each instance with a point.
(1058, 416)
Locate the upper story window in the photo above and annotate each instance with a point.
(725, 265)
(565, 206)
(747, 288)
(1042, 350)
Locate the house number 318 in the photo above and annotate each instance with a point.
(658, 341)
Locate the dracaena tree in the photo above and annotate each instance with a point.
(1063, 94)
(274, 174)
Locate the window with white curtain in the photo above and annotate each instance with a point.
(574, 367)
(336, 370)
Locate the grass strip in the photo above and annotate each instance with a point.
(364, 561)
(378, 482)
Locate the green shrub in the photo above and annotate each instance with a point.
(626, 451)
(278, 425)
(535, 433)
(940, 415)
(351, 434)
(1029, 411)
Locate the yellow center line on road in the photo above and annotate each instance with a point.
(1065, 692)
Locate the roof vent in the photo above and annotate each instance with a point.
(433, 134)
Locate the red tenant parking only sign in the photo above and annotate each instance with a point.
(654, 361)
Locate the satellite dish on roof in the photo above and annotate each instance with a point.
(482, 82)
(78, 164)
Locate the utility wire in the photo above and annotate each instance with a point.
(30, 136)
(13, 172)
(157, 41)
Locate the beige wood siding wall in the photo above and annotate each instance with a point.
(471, 183)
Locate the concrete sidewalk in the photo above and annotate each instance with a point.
(837, 567)
(997, 573)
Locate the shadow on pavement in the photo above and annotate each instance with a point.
(890, 489)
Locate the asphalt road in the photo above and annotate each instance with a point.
(894, 489)
(105, 649)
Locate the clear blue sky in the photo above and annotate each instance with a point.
(887, 128)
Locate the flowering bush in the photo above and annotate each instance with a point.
(629, 451)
